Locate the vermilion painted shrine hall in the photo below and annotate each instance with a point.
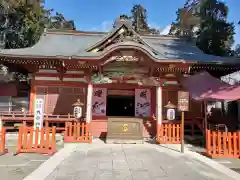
(115, 74)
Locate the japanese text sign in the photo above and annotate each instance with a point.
(38, 113)
(183, 101)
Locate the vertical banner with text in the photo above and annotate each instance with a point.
(99, 101)
(142, 102)
(38, 113)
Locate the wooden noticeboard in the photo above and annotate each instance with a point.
(183, 101)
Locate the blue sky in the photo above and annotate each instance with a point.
(98, 15)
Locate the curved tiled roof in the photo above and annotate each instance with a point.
(75, 44)
(121, 45)
(115, 31)
(55, 44)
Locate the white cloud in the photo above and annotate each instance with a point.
(237, 35)
(154, 25)
(166, 30)
(105, 26)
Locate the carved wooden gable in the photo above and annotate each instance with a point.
(122, 34)
(125, 34)
(125, 68)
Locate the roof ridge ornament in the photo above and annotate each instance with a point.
(122, 21)
(125, 37)
(120, 34)
(127, 58)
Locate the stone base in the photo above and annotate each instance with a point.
(124, 141)
(125, 130)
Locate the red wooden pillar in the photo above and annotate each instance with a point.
(158, 109)
(89, 103)
(32, 97)
(89, 110)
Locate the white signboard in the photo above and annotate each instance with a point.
(142, 102)
(38, 113)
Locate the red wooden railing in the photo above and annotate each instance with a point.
(189, 124)
(168, 133)
(28, 118)
(3, 150)
(32, 140)
(77, 132)
(222, 144)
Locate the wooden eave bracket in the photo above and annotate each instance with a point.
(61, 70)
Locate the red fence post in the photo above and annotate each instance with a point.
(28, 135)
(222, 144)
(168, 133)
(53, 140)
(77, 132)
(3, 149)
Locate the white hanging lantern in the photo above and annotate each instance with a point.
(77, 109)
(170, 111)
(171, 114)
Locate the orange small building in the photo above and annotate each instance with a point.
(112, 72)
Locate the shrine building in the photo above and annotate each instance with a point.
(115, 74)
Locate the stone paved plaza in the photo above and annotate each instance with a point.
(131, 162)
(20, 166)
